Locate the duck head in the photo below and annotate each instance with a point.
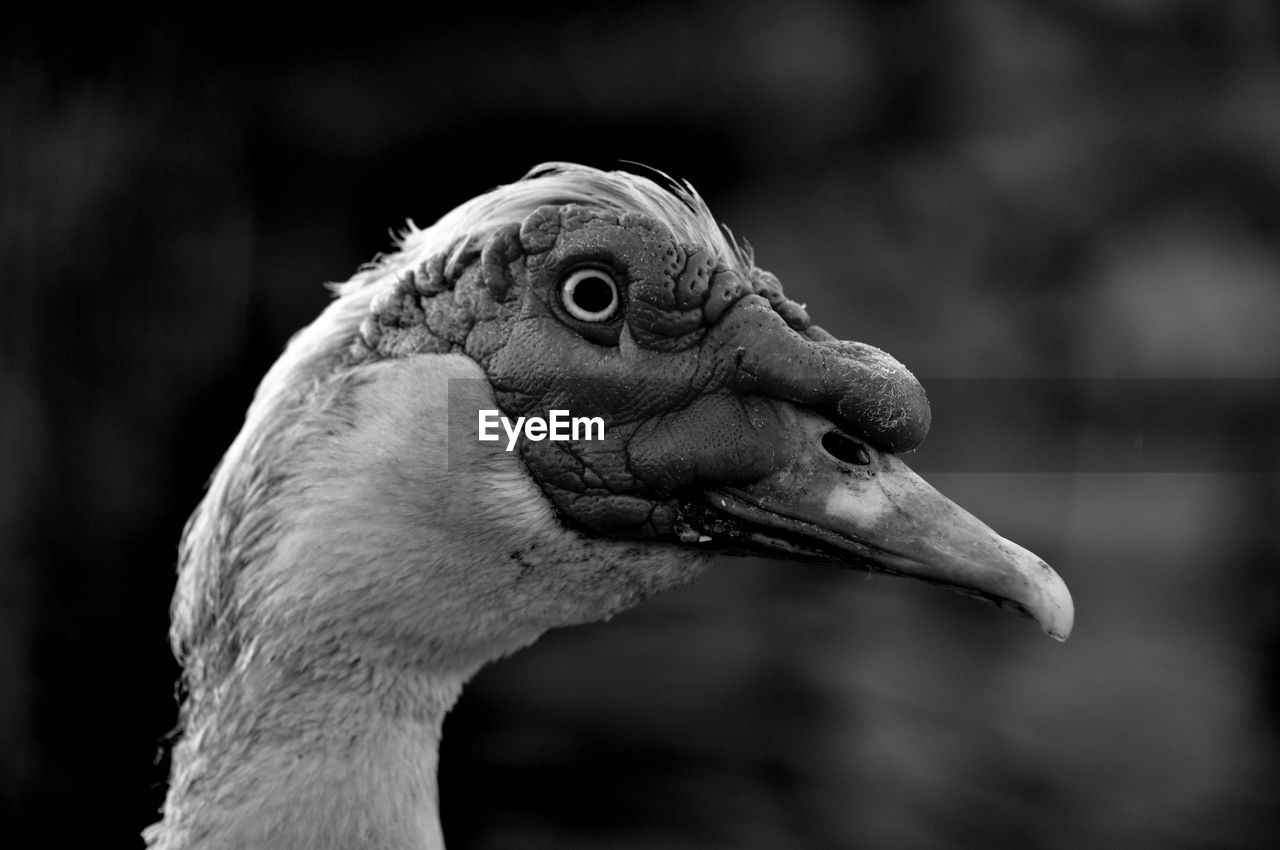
(722, 419)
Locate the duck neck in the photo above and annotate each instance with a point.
(310, 764)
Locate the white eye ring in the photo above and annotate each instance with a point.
(584, 286)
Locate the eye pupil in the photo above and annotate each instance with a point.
(593, 294)
(590, 295)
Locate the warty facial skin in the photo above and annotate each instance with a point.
(361, 553)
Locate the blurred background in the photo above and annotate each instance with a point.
(1063, 216)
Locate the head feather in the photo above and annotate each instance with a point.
(675, 204)
(310, 375)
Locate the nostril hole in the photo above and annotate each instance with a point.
(845, 448)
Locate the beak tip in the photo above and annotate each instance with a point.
(1058, 619)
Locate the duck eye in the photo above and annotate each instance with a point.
(590, 295)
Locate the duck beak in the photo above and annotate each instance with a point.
(837, 500)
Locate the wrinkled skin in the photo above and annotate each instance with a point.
(688, 376)
(731, 423)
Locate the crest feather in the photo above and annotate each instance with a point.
(676, 204)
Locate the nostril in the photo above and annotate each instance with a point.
(845, 448)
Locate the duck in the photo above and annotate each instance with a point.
(569, 394)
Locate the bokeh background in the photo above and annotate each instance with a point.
(1079, 198)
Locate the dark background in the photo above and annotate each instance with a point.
(1046, 193)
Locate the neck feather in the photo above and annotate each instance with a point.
(339, 583)
(291, 762)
